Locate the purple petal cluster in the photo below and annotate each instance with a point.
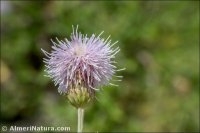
(82, 60)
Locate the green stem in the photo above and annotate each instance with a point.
(80, 120)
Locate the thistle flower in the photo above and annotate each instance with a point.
(81, 65)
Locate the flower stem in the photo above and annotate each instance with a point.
(80, 120)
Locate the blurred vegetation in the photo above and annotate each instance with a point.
(159, 48)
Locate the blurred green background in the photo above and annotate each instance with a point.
(159, 48)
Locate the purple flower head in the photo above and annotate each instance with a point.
(81, 61)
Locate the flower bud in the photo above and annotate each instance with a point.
(79, 95)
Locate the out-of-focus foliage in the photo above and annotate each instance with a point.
(159, 48)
